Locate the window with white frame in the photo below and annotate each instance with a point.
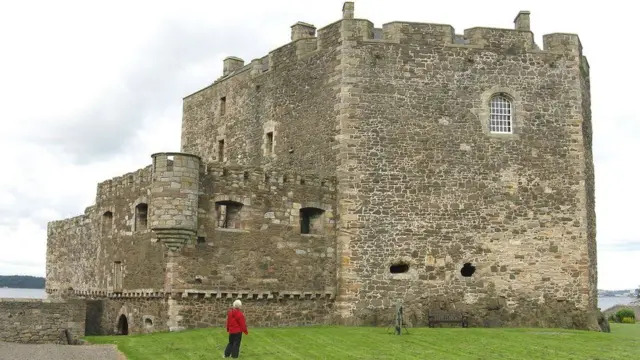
(501, 115)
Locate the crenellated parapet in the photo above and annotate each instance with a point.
(306, 39)
(117, 186)
(511, 41)
(267, 179)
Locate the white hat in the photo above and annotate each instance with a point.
(237, 304)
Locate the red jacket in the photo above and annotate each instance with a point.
(236, 322)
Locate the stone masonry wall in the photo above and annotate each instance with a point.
(82, 251)
(291, 93)
(71, 252)
(386, 133)
(143, 315)
(587, 141)
(264, 249)
(197, 311)
(41, 321)
(422, 182)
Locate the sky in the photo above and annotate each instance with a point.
(90, 89)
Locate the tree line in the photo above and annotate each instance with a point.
(21, 282)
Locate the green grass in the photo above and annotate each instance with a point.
(375, 343)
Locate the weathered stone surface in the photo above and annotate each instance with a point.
(41, 321)
(380, 139)
(421, 179)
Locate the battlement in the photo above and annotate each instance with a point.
(239, 176)
(305, 41)
(118, 185)
(510, 41)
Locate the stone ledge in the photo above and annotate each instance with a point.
(217, 294)
(266, 295)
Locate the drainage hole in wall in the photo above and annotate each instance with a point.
(399, 268)
(467, 270)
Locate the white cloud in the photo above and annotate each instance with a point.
(90, 89)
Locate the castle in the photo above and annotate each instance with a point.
(349, 169)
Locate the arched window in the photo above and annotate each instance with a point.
(228, 214)
(311, 220)
(141, 217)
(501, 115)
(107, 223)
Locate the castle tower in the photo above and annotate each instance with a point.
(174, 197)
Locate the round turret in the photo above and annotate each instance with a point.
(174, 197)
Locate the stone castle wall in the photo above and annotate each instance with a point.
(197, 311)
(384, 133)
(143, 315)
(82, 251)
(290, 93)
(38, 321)
(263, 250)
(422, 182)
(204, 309)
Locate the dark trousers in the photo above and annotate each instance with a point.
(233, 347)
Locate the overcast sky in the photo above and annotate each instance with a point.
(89, 89)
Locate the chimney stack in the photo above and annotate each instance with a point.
(347, 10)
(302, 30)
(231, 64)
(522, 21)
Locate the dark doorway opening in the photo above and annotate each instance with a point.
(399, 268)
(123, 325)
(467, 270)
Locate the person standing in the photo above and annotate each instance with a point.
(236, 325)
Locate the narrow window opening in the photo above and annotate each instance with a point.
(267, 178)
(501, 111)
(223, 105)
(467, 270)
(221, 150)
(285, 178)
(258, 87)
(201, 240)
(399, 268)
(225, 172)
(141, 217)
(170, 160)
(302, 181)
(107, 223)
(228, 214)
(269, 143)
(311, 220)
(246, 175)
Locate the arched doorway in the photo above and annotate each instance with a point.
(123, 325)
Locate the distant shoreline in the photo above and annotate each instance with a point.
(22, 282)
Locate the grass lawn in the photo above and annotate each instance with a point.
(375, 343)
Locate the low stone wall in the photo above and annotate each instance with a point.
(199, 312)
(38, 321)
